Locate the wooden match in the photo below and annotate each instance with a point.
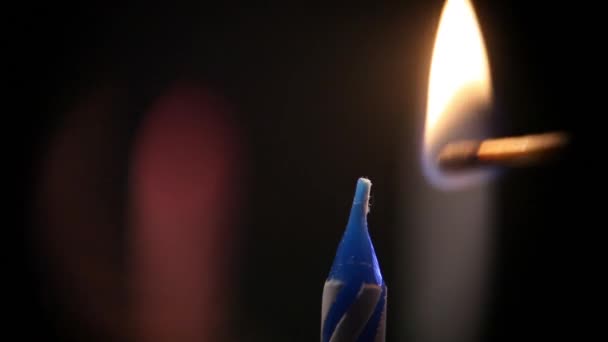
(508, 151)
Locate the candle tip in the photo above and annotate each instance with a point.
(354, 296)
(362, 191)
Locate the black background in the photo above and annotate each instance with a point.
(324, 95)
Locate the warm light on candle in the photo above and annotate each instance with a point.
(460, 86)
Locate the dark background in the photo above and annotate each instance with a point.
(324, 95)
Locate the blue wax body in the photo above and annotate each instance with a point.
(354, 297)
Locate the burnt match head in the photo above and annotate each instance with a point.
(459, 155)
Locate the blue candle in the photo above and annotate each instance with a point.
(354, 295)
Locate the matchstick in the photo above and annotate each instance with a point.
(509, 151)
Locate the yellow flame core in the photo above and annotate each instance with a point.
(459, 67)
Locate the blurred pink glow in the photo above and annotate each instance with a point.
(182, 185)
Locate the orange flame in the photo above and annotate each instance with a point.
(460, 87)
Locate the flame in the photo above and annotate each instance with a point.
(460, 88)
